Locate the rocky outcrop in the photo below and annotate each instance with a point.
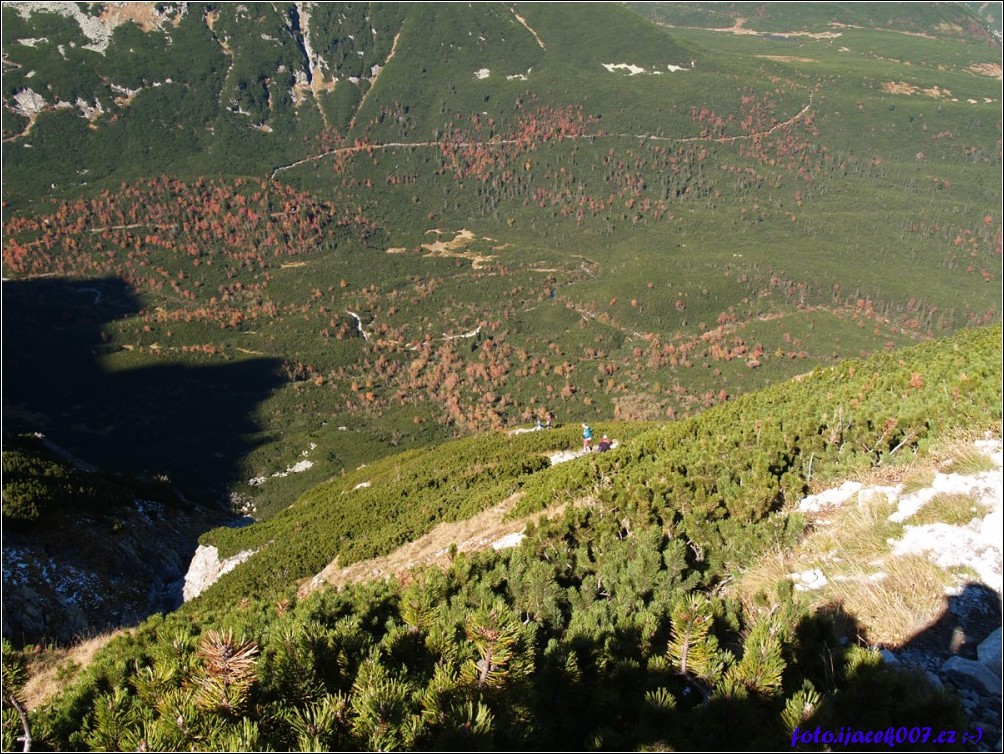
(28, 103)
(989, 652)
(99, 27)
(971, 674)
(956, 653)
(960, 650)
(93, 572)
(206, 569)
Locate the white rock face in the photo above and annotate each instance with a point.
(836, 496)
(92, 27)
(632, 69)
(206, 569)
(28, 103)
(982, 485)
(98, 28)
(977, 545)
(808, 581)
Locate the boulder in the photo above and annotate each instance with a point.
(934, 680)
(989, 652)
(889, 658)
(970, 674)
(206, 569)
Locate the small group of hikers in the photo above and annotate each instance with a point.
(547, 423)
(587, 434)
(587, 440)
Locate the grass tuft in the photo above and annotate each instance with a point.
(859, 534)
(955, 509)
(972, 461)
(892, 605)
(50, 669)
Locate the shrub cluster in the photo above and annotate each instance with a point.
(602, 630)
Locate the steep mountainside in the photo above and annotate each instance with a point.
(84, 551)
(616, 622)
(310, 263)
(417, 221)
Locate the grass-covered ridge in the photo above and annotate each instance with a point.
(717, 481)
(380, 506)
(636, 243)
(943, 19)
(607, 615)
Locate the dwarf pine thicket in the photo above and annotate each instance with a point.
(315, 260)
(608, 613)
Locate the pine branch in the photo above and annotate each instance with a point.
(26, 738)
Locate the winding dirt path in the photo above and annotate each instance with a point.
(487, 529)
(585, 137)
(528, 28)
(373, 83)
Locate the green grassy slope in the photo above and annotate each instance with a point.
(716, 479)
(643, 246)
(607, 615)
(942, 19)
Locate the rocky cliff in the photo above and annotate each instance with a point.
(109, 552)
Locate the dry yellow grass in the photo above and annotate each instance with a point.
(859, 533)
(892, 604)
(856, 535)
(955, 509)
(49, 669)
(433, 549)
(886, 599)
(456, 248)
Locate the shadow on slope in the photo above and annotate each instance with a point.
(85, 548)
(191, 423)
(933, 690)
(843, 689)
(962, 648)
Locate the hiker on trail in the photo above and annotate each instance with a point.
(587, 436)
(604, 445)
(548, 421)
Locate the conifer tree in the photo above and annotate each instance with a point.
(800, 707)
(152, 682)
(494, 632)
(242, 736)
(416, 608)
(228, 672)
(112, 728)
(380, 705)
(688, 649)
(290, 665)
(321, 725)
(762, 665)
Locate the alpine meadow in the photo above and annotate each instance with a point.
(310, 310)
